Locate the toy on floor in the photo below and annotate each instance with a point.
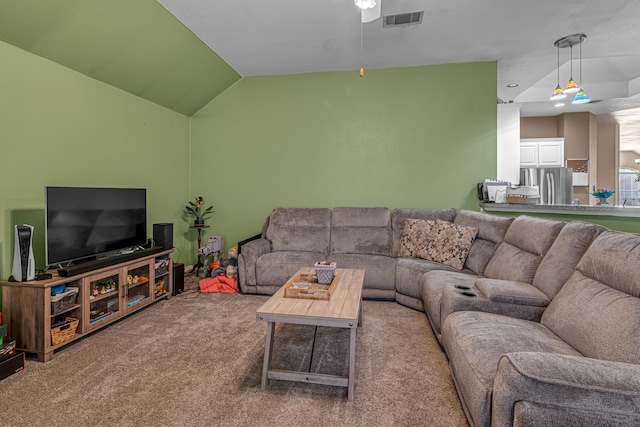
(213, 249)
(224, 276)
(227, 266)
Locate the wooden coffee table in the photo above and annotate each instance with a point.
(343, 310)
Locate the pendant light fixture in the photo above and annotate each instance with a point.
(558, 93)
(571, 87)
(581, 97)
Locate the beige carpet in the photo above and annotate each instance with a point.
(196, 360)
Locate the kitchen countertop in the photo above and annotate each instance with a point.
(626, 211)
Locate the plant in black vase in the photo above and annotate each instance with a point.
(197, 211)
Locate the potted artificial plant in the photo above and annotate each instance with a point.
(198, 211)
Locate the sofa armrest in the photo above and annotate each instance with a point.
(478, 298)
(511, 292)
(247, 260)
(552, 387)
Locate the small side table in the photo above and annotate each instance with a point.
(200, 262)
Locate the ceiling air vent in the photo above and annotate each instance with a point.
(402, 19)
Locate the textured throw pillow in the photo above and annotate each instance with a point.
(448, 244)
(413, 238)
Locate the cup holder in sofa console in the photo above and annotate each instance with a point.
(467, 294)
(464, 288)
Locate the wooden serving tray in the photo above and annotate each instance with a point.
(292, 288)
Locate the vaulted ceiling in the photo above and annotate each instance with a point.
(134, 45)
(288, 37)
(183, 53)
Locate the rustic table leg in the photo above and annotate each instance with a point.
(352, 362)
(268, 349)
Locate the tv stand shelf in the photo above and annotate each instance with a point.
(106, 294)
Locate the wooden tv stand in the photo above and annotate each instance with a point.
(104, 296)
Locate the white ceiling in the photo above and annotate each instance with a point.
(274, 37)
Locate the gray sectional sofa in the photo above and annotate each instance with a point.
(540, 319)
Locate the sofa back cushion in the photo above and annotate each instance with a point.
(361, 231)
(491, 231)
(525, 243)
(597, 311)
(299, 229)
(560, 261)
(400, 214)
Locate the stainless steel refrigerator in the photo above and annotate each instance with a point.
(556, 184)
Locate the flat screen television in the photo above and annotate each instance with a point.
(84, 223)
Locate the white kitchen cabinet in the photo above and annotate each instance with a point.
(528, 154)
(541, 152)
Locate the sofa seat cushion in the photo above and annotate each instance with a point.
(432, 284)
(379, 271)
(408, 272)
(275, 268)
(510, 292)
(475, 341)
(299, 229)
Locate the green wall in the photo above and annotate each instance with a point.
(409, 137)
(404, 137)
(59, 127)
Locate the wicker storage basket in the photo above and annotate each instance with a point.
(161, 267)
(63, 301)
(64, 332)
(324, 271)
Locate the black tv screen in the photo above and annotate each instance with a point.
(86, 222)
